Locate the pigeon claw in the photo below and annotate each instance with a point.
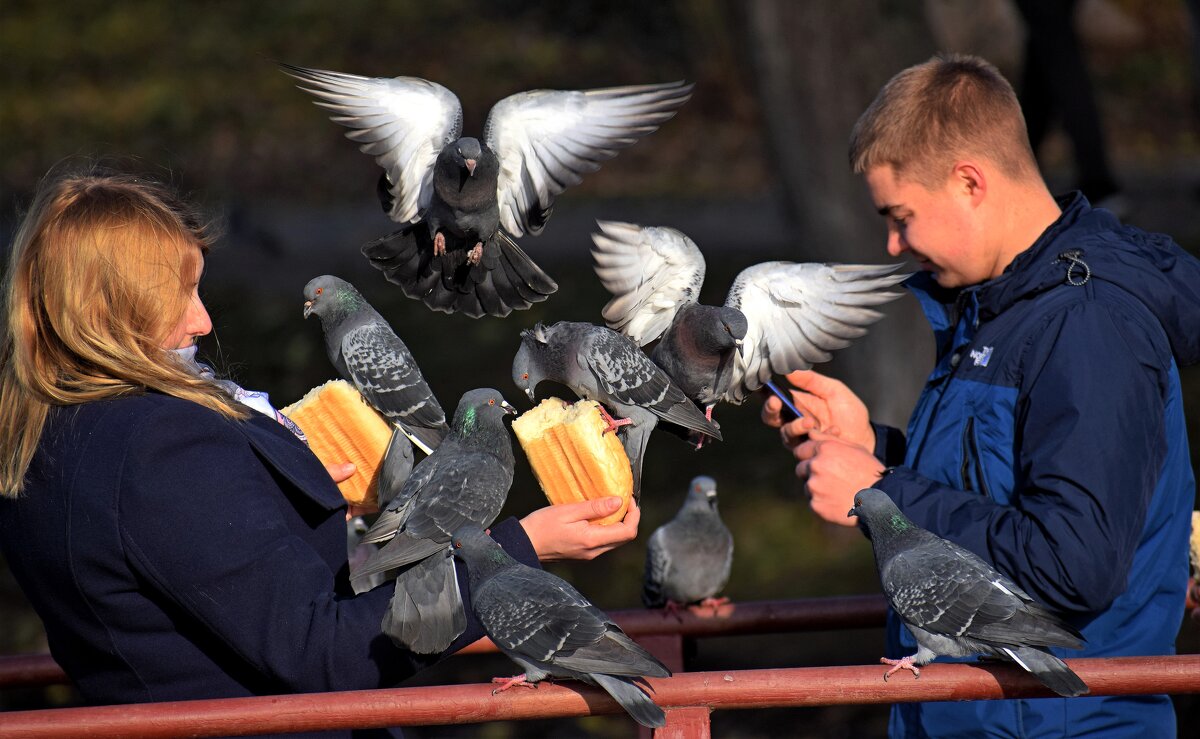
(510, 682)
(475, 255)
(439, 244)
(614, 423)
(672, 608)
(901, 664)
(714, 603)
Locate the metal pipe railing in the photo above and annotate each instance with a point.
(721, 690)
(752, 617)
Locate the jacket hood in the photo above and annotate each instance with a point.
(1087, 243)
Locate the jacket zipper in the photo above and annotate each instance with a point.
(970, 455)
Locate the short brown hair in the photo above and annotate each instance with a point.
(933, 113)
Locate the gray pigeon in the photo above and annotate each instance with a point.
(465, 480)
(688, 558)
(957, 605)
(600, 364)
(396, 467)
(369, 355)
(464, 190)
(550, 630)
(778, 316)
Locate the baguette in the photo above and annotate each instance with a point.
(342, 427)
(572, 457)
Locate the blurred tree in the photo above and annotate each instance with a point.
(812, 87)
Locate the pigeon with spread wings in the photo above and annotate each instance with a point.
(463, 200)
(778, 316)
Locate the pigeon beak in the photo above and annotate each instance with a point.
(530, 395)
(308, 308)
(853, 512)
(741, 347)
(508, 408)
(470, 166)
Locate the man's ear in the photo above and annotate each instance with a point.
(969, 179)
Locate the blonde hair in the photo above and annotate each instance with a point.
(101, 271)
(930, 115)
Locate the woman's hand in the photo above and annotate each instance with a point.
(565, 531)
(340, 472)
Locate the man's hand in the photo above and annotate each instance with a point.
(827, 404)
(565, 532)
(833, 470)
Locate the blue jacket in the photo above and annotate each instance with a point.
(1050, 440)
(173, 554)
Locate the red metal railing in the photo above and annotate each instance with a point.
(753, 617)
(689, 696)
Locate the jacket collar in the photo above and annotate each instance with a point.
(288, 456)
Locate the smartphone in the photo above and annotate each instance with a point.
(789, 412)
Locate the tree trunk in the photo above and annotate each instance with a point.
(818, 65)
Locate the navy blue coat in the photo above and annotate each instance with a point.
(1050, 440)
(174, 554)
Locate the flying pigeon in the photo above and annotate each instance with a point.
(463, 190)
(550, 630)
(600, 364)
(688, 558)
(369, 355)
(957, 605)
(465, 480)
(778, 316)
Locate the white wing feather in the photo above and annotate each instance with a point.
(547, 140)
(401, 121)
(650, 272)
(797, 314)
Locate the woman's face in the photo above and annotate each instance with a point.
(195, 322)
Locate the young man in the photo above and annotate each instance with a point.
(1049, 438)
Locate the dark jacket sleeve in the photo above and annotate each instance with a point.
(201, 521)
(890, 444)
(1089, 443)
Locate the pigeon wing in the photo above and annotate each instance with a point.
(403, 122)
(385, 372)
(535, 614)
(798, 313)
(625, 374)
(650, 272)
(547, 140)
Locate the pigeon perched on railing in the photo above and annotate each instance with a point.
(369, 355)
(957, 605)
(778, 316)
(548, 628)
(456, 193)
(600, 364)
(689, 557)
(465, 480)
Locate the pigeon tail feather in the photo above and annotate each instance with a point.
(635, 702)
(1050, 670)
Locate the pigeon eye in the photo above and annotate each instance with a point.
(458, 545)
(491, 401)
(320, 290)
(525, 376)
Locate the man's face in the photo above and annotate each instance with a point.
(937, 228)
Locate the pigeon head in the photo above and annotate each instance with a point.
(715, 328)
(878, 514)
(330, 297)
(482, 555)
(702, 493)
(528, 368)
(481, 411)
(467, 153)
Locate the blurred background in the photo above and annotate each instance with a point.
(753, 168)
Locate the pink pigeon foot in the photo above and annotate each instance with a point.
(511, 682)
(901, 664)
(475, 255)
(713, 603)
(439, 244)
(614, 423)
(672, 608)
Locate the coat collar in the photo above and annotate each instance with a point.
(280, 449)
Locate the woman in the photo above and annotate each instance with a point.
(175, 543)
